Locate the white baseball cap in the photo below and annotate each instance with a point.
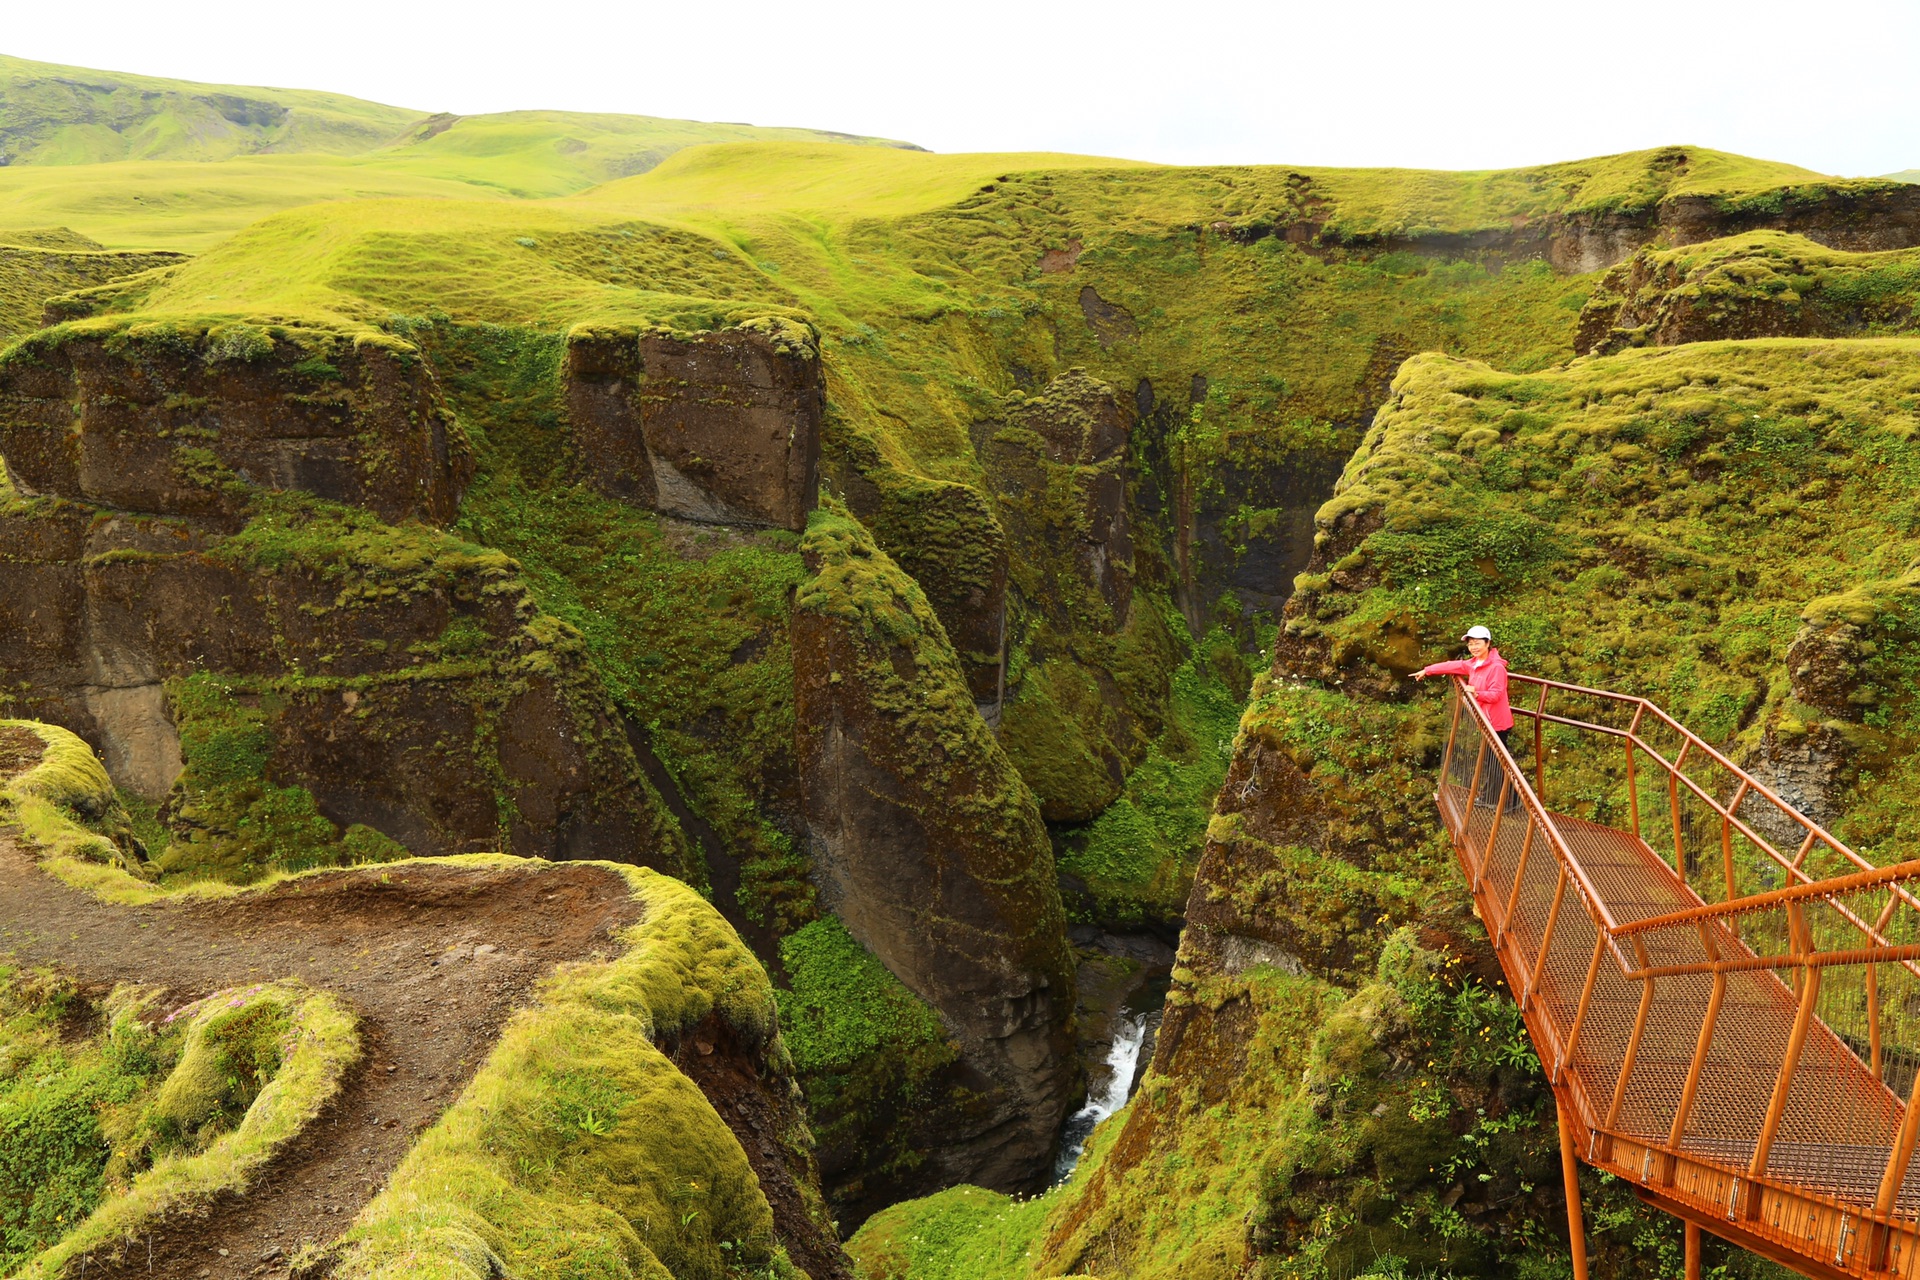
(1477, 633)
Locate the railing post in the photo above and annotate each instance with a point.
(1726, 837)
(1580, 1014)
(1546, 940)
(1894, 1179)
(1453, 732)
(1692, 1086)
(1633, 783)
(1873, 1019)
(1796, 1042)
(1673, 799)
(1539, 748)
(1519, 872)
(1633, 1044)
(1493, 829)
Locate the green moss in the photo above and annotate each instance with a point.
(67, 806)
(710, 687)
(227, 818)
(844, 1006)
(964, 1233)
(152, 1117)
(579, 1148)
(1759, 283)
(1137, 859)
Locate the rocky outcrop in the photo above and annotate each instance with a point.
(1090, 684)
(718, 427)
(1056, 463)
(946, 536)
(419, 693)
(38, 266)
(1859, 216)
(178, 421)
(210, 587)
(930, 848)
(1758, 285)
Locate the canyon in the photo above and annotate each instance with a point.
(961, 607)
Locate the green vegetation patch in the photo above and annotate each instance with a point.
(65, 803)
(150, 1116)
(963, 1233)
(1137, 859)
(686, 627)
(1663, 522)
(843, 1008)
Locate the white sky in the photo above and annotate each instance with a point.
(1833, 86)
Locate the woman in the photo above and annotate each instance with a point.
(1486, 673)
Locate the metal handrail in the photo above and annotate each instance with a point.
(1869, 877)
(1558, 1039)
(1693, 741)
(1748, 785)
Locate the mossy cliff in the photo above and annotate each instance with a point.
(1248, 318)
(1763, 284)
(298, 680)
(189, 420)
(1080, 416)
(40, 264)
(927, 844)
(1722, 527)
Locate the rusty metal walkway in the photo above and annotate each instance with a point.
(1730, 1022)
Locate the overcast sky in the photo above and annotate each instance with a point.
(1832, 86)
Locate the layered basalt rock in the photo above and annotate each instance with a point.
(949, 540)
(718, 427)
(930, 848)
(431, 702)
(213, 558)
(1856, 216)
(175, 421)
(1759, 285)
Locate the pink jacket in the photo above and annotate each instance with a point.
(1487, 677)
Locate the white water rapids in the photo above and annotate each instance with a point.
(1129, 1033)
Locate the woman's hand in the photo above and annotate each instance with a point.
(1419, 675)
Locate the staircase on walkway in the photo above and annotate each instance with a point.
(1726, 999)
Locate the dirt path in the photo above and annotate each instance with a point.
(432, 958)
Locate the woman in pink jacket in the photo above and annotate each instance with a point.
(1486, 673)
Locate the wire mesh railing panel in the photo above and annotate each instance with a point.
(1665, 1058)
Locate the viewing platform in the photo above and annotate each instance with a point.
(1730, 1021)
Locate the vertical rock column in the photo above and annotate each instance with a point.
(928, 845)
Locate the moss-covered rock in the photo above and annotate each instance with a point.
(581, 1145)
(189, 419)
(930, 848)
(318, 672)
(1762, 284)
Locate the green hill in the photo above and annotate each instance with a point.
(124, 158)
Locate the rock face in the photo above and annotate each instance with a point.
(1762, 284)
(168, 422)
(1858, 217)
(930, 848)
(222, 642)
(721, 427)
(1093, 668)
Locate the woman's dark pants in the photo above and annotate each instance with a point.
(1493, 777)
